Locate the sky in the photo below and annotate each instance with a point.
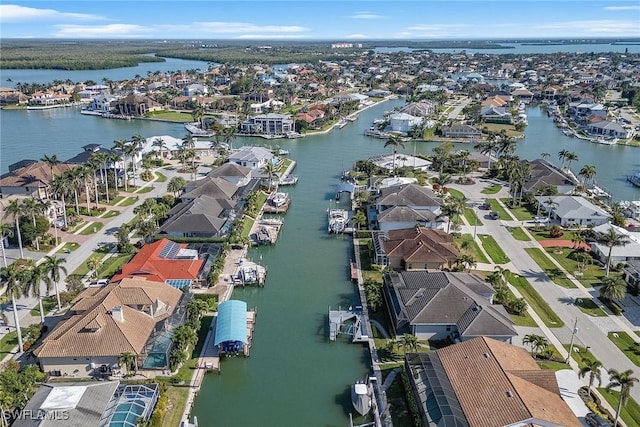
(350, 20)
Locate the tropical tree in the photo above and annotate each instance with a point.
(270, 170)
(562, 155)
(587, 172)
(506, 145)
(591, 367)
(54, 266)
(33, 278)
(613, 288)
(360, 219)
(197, 113)
(189, 144)
(453, 208)
(195, 309)
(101, 159)
(571, 157)
(228, 135)
(14, 208)
(184, 337)
(467, 262)
(51, 161)
(409, 342)
(537, 343)
(127, 360)
(160, 145)
(62, 188)
(545, 155)
(95, 264)
(625, 381)
(121, 148)
(6, 230)
(550, 204)
(32, 207)
(394, 141)
(610, 239)
(488, 147)
(10, 277)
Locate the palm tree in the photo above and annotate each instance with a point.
(102, 159)
(197, 113)
(53, 266)
(591, 367)
(74, 177)
(395, 141)
(6, 230)
(571, 157)
(610, 239)
(409, 342)
(550, 204)
(61, 187)
(32, 207)
(121, 146)
(51, 161)
(467, 262)
(229, 135)
(454, 207)
(189, 144)
(10, 276)
(270, 170)
(625, 381)
(488, 147)
(35, 275)
(132, 149)
(95, 264)
(160, 145)
(176, 184)
(506, 145)
(562, 155)
(537, 343)
(14, 208)
(127, 360)
(545, 155)
(587, 173)
(502, 273)
(613, 288)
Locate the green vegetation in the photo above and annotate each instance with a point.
(171, 116)
(554, 273)
(69, 247)
(589, 307)
(496, 128)
(493, 249)
(93, 228)
(110, 214)
(144, 190)
(627, 345)
(369, 272)
(115, 200)
(10, 341)
(471, 217)
(587, 273)
(456, 193)
(492, 189)
(630, 412)
(522, 213)
(518, 233)
(113, 264)
(580, 354)
(160, 177)
(247, 223)
(467, 246)
(535, 301)
(495, 206)
(128, 201)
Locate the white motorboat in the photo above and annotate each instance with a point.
(361, 397)
(338, 220)
(279, 199)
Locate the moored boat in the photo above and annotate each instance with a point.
(361, 397)
(634, 179)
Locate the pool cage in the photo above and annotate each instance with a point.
(133, 403)
(158, 347)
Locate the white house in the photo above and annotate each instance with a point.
(573, 210)
(609, 129)
(251, 157)
(268, 123)
(626, 253)
(403, 122)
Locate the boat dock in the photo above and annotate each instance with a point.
(251, 324)
(339, 221)
(347, 322)
(249, 273)
(277, 203)
(353, 269)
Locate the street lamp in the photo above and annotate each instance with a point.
(573, 335)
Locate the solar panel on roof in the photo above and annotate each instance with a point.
(169, 250)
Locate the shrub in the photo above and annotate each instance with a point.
(555, 232)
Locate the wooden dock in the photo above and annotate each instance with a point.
(277, 209)
(354, 271)
(251, 323)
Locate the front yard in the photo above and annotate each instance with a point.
(627, 345)
(493, 249)
(554, 273)
(535, 301)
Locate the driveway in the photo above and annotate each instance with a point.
(569, 383)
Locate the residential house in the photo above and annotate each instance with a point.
(136, 105)
(213, 186)
(581, 109)
(441, 306)
(171, 146)
(544, 174)
(389, 161)
(485, 382)
(619, 254)
(459, 130)
(203, 216)
(31, 178)
(492, 114)
(419, 109)
(416, 248)
(101, 103)
(195, 89)
(11, 96)
(403, 122)
(271, 123)
(632, 275)
(251, 157)
(166, 262)
(405, 206)
(573, 210)
(104, 322)
(609, 129)
(234, 173)
(48, 98)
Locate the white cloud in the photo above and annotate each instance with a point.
(366, 15)
(103, 31)
(357, 36)
(596, 27)
(244, 27)
(15, 13)
(270, 37)
(621, 8)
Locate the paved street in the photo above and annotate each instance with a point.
(591, 330)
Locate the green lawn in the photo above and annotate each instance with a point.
(493, 249)
(471, 217)
(589, 307)
(144, 190)
(8, 342)
(626, 344)
(160, 177)
(580, 354)
(48, 304)
(113, 264)
(172, 116)
(521, 213)
(535, 301)
(115, 200)
(518, 233)
(456, 193)
(467, 245)
(128, 201)
(69, 247)
(492, 189)
(630, 412)
(247, 223)
(92, 228)
(495, 206)
(554, 273)
(591, 276)
(110, 214)
(497, 127)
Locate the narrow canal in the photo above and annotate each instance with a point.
(294, 375)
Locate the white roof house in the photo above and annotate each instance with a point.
(172, 144)
(571, 210)
(403, 122)
(402, 160)
(251, 157)
(629, 252)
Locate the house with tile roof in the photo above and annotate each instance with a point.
(30, 178)
(485, 382)
(443, 305)
(166, 262)
(544, 174)
(203, 216)
(105, 322)
(416, 248)
(405, 206)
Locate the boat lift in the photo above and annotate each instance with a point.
(354, 324)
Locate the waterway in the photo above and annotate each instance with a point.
(518, 48)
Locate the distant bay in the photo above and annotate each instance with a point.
(524, 48)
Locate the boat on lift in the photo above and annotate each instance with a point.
(361, 397)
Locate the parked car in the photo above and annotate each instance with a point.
(541, 220)
(594, 420)
(485, 206)
(494, 215)
(99, 282)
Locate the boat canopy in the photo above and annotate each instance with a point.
(346, 187)
(231, 324)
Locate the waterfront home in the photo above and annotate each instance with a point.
(632, 275)
(619, 254)
(203, 216)
(48, 98)
(544, 174)
(441, 306)
(171, 146)
(608, 129)
(11, 96)
(31, 178)
(403, 122)
(573, 211)
(419, 109)
(101, 103)
(388, 161)
(460, 130)
(90, 149)
(212, 186)
(251, 157)
(136, 105)
(234, 173)
(416, 248)
(166, 262)
(582, 109)
(493, 114)
(104, 322)
(485, 382)
(404, 206)
(81, 404)
(195, 89)
(270, 124)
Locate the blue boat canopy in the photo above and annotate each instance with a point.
(346, 187)
(231, 324)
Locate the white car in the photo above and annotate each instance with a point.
(99, 283)
(541, 220)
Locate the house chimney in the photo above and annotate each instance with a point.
(117, 313)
